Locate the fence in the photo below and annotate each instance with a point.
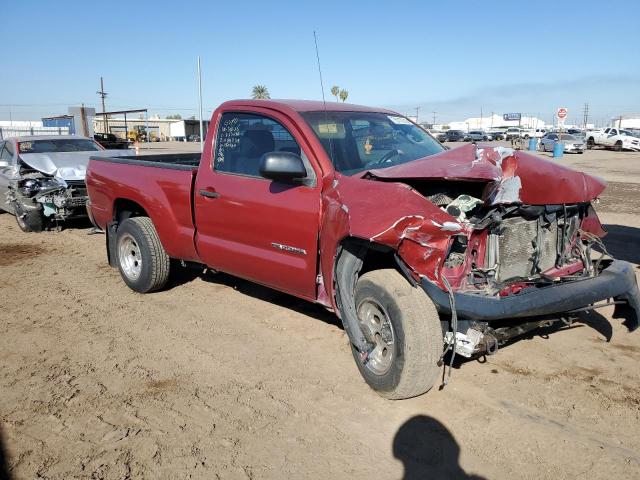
(6, 132)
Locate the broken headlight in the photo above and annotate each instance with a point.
(32, 186)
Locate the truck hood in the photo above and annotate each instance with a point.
(515, 176)
(66, 165)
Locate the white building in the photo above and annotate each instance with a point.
(628, 121)
(495, 121)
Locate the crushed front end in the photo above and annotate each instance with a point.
(55, 199)
(522, 247)
(523, 267)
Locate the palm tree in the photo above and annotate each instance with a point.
(260, 92)
(343, 95)
(335, 91)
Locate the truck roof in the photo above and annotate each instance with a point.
(304, 106)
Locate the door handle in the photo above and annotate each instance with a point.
(208, 194)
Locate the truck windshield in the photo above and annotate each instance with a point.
(59, 145)
(359, 141)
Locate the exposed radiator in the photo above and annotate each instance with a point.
(514, 248)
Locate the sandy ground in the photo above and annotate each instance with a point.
(218, 378)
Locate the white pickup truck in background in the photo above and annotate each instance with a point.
(616, 138)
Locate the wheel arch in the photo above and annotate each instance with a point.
(124, 208)
(354, 257)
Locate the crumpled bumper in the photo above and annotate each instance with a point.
(617, 281)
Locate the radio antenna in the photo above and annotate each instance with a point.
(324, 102)
(315, 39)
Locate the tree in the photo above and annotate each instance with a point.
(343, 95)
(176, 116)
(260, 92)
(335, 91)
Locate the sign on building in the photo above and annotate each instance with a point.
(510, 117)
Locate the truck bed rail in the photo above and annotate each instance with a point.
(174, 161)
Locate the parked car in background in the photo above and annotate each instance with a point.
(572, 144)
(287, 194)
(476, 136)
(512, 132)
(111, 141)
(438, 135)
(576, 132)
(42, 178)
(497, 134)
(611, 137)
(455, 136)
(527, 133)
(538, 133)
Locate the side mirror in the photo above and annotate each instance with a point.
(282, 166)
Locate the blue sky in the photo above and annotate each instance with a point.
(450, 57)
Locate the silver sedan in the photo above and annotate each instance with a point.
(571, 142)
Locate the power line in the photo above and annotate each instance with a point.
(103, 95)
(585, 115)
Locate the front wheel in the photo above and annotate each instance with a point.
(618, 146)
(29, 219)
(142, 260)
(403, 326)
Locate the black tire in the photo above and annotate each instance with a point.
(150, 261)
(416, 334)
(29, 219)
(618, 146)
(590, 143)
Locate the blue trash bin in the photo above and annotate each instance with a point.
(558, 149)
(533, 144)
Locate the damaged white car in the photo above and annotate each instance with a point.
(42, 178)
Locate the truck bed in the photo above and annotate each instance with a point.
(161, 185)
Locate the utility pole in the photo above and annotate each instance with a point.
(434, 117)
(103, 94)
(481, 127)
(585, 115)
(417, 111)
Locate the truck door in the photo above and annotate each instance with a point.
(252, 227)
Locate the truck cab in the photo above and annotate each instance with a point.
(418, 249)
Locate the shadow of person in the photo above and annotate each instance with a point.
(428, 451)
(4, 461)
(623, 242)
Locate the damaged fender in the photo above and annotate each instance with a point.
(417, 229)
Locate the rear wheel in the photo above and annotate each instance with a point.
(403, 326)
(143, 263)
(590, 143)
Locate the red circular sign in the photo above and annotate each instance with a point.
(562, 112)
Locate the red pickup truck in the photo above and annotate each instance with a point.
(419, 249)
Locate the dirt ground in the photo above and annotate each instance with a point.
(218, 378)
